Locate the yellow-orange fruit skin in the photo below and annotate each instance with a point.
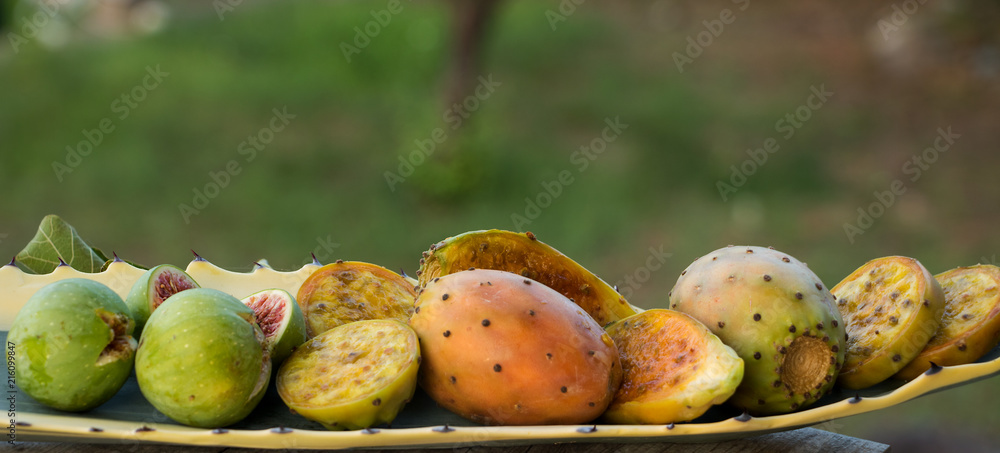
(349, 291)
(892, 306)
(501, 349)
(970, 324)
(675, 369)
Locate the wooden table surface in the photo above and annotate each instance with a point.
(806, 440)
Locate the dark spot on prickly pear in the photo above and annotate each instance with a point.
(472, 268)
(855, 400)
(497, 367)
(767, 278)
(826, 339)
(483, 247)
(99, 430)
(756, 316)
(591, 404)
(531, 236)
(961, 346)
(416, 309)
(489, 283)
(934, 369)
(722, 324)
(683, 272)
(967, 316)
(744, 417)
(782, 350)
(776, 383)
(868, 286)
(791, 329)
(828, 378)
(714, 258)
(531, 312)
(486, 323)
(798, 296)
(376, 401)
(749, 251)
(876, 332)
(674, 306)
(416, 288)
(834, 323)
(756, 355)
(893, 320)
(794, 406)
(436, 279)
(548, 355)
(444, 297)
(563, 389)
(927, 303)
(591, 353)
(907, 302)
(453, 379)
(819, 286)
(819, 326)
(447, 333)
(342, 261)
(527, 282)
(785, 259)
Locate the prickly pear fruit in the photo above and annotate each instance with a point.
(776, 314)
(154, 287)
(353, 376)
(499, 348)
(524, 254)
(203, 360)
(674, 369)
(892, 307)
(73, 344)
(970, 325)
(344, 292)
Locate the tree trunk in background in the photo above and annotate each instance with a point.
(470, 23)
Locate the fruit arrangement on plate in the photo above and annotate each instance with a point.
(498, 328)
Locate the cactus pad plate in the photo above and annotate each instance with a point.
(129, 419)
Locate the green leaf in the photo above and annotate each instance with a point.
(57, 239)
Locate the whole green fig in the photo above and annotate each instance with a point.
(73, 344)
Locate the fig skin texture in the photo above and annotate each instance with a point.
(73, 345)
(202, 359)
(501, 349)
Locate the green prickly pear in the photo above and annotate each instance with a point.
(776, 314)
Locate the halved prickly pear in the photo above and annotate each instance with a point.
(525, 255)
(776, 314)
(502, 349)
(202, 360)
(154, 287)
(344, 292)
(353, 376)
(73, 345)
(674, 369)
(281, 320)
(970, 325)
(892, 307)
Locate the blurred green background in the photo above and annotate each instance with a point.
(898, 72)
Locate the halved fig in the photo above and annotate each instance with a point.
(154, 287)
(281, 320)
(525, 255)
(970, 325)
(892, 307)
(353, 376)
(674, 369)
(344, 292)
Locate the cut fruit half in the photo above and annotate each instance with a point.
(344, 292)
(970, 325)
(354, 376)
(281, 320)
(154, 287)
(892, 307)
(674, 369)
